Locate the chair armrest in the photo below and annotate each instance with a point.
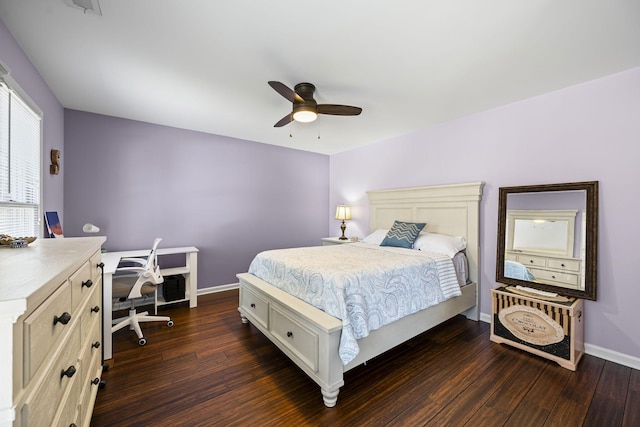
(131, 269)
(141, 261)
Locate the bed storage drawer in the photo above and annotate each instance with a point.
(256, 307)
(301, 341)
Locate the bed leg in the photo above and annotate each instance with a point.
(330, 397)
(244, 319)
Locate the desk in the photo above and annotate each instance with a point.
(111, 261)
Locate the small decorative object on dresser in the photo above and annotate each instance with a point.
(549, 326)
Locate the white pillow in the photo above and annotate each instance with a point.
(440, 243)
(376, 237)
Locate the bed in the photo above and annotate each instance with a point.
(311, 337)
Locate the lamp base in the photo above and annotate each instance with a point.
(343, 227)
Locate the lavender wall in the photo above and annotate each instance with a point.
(228, 197)
(25, 74)
(586, 132)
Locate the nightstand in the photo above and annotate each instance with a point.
(328, 241)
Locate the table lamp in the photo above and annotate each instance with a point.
(343, 212)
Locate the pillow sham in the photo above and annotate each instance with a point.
(403, 234)
(376, 237)
(440, 243)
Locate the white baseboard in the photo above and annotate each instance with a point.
(221, 288)
(612, 356)
(485, 317)
(594, 350)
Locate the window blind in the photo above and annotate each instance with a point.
(20, 166)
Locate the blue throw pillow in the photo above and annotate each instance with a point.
(403, 234)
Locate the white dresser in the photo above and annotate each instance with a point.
(555, 270)
(50, 332)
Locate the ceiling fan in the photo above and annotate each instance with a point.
(305, 108)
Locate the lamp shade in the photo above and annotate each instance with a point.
(343, 212)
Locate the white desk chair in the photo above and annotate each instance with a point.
(145, 281)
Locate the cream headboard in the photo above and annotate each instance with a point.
(447, 209)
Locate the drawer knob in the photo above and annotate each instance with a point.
(290, 334)
(95, 309)
(253, 305)
(562, 264)
(531, 261)
(88, 283)
(73, 425)
(71, 370)
(64, 318)
(95, 381)
(96, 344)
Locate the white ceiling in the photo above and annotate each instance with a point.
(204, 64)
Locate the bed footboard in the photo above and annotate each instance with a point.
(310, 337)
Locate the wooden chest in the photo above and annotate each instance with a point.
(552, 328)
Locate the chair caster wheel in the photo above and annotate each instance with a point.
(170, 323)
(142, 341)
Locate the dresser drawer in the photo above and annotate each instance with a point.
(69, 410)
(44, 327)
(91, 352)
(300, 340)
(564, 264)
(531, 260)
(82, 283)
(41, 406)
(94, 261)
(553, 276)
(91, 372)
(256, 306)
(91, 312)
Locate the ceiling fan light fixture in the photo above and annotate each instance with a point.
(304, 114)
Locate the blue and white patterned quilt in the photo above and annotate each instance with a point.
(366, 286)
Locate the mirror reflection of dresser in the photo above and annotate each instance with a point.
(544, 242)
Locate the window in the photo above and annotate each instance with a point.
(20, 159)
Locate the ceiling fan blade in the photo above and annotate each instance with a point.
(283, 121)
(283, 90)
(339, 110)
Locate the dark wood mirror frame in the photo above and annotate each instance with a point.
(591, 235)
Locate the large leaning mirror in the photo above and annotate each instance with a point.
(547, 238)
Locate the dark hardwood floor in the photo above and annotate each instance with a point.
(210, 370)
